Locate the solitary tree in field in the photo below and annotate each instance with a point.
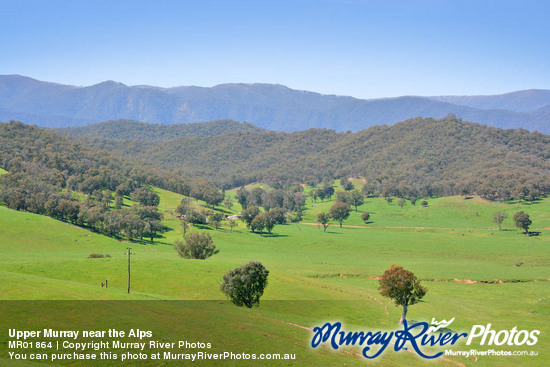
(413, 200)
(245, 285)
(424, 203)
(340, 212)
(498, 218)
(365, 216)
(401, 202)
(402, 286)
(521, 219)
(323, 219)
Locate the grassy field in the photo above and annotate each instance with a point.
(468, 266)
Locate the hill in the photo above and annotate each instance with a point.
(135, 130)
(521, 101)
(418, 156)
(273, 107)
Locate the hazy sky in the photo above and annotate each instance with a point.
(361, 48)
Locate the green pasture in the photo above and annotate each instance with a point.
(469, 267)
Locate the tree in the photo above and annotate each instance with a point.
(232, 224)
(365, 216)
(323, 219)
(357, 199)
(424, 203)
(212, 196)
(245, 285)
(401, 202)
(274, 199)
(521, 219)
(242, 197)
(122, 190)
(146, 197)
(196, 217)
(270, 221)
(258, 223)
(118, 201)
(279, 215)
(328, 191)
(389, 199)
(343, 196)
(402, 286)
(185, 206)
(152, 228)
(346, 184)
(197, 246)
(228, 203)
(498, 218)
(413, 200)
(339, 211)
(256, 196)
(249, 214)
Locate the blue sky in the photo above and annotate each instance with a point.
(366, 49)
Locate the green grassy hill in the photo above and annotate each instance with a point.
(467, 265)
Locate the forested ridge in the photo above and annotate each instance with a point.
(135, 130)
(49, 174)
(419, 157)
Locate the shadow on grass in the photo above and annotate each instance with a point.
(274, 235)
(218, 209)
(203, 226)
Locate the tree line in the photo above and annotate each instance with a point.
(415, 158)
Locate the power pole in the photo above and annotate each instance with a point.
(129, 253)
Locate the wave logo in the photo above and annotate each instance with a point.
(439, 325)
(413, 336)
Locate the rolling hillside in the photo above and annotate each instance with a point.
(434, 157)
(135, 130)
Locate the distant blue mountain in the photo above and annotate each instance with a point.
(273, 107)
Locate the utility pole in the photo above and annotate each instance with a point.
(129, 253)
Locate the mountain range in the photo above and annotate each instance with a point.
(268, 106)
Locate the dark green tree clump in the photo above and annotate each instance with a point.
(197, 246)
(402, 286)
(146, 197)
(245, 285)
(365, 216)
(522, 220)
